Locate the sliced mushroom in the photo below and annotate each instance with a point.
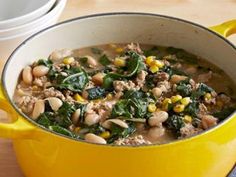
(108, 123)
(55, 103)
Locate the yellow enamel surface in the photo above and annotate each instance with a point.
(225, 29)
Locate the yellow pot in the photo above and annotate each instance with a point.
(42, 153)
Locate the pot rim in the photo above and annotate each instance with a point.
(174, 142)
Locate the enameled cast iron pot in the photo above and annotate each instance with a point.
(42, 153)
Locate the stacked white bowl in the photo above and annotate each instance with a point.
(19, 19)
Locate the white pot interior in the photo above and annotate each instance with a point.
(122, 28)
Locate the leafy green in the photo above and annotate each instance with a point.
(45, 119)
(192, 109)
(224, 113)
(82, 108)
(61, 130)
(96, 129)
(96, 93)
(121, 109)
(182, 54)
(134, 65)
(45, 62)
(184, 88)
(63, 115)
(83, 60)
(119, 132)
(201, 90)
(133, 94)
(171, 71)
(175, 122)
(76, 80)
(96, 51)
(104, 60)
(151, 52)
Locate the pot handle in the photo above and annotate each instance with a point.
(225, 29)
(20, 128)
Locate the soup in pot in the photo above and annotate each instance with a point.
(125, 94)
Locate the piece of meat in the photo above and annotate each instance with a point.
(189, 130)
(52, 92)
(140, 79)
(120, 86)
(208, 121)
(134, 47)
(162, 76)
(205, 77)
(132, 141)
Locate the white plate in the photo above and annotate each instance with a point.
(8, 44)
(18, 12)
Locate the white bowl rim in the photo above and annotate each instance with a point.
(59, 11)
(49, 3)
(171, 143)
(54, 9)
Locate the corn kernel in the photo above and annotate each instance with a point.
(176, 98)
(207, 96)
(188, 119)
(78, 98)
(179, 108)
(185, 101)
(105, 134)
(109, 96)
(152, 107)
(149, 60)
(119, 50)
(154, 69)
(77, 129)
(68, 60)
(35, 88)
(166, 103)
(157, 63)
(119, 62)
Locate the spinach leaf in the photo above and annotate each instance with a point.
(83, 60)
(171, 71)
(44, 62)
(61, 130)
(192, 109)
(134, 65)
(45, 119)
(202, 90)
(63, 115)
(76, 80)
(121, 109)
(119, 132)
(184, 88)
(96, 93)
(96, 51)
(221, 115)
(175, 122)
(133, 94)
(104, 60)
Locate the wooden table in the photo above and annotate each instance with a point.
(208, 13)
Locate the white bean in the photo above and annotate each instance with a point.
(75, 116)
(107, 124)
(157, 118)
(91, 61)
(55, 103)
(156, 92)
(98, 78)
(27, 75)
(40, 70)
(91, 118)
(59, 54)
(92, 138)
(39, 108)
(177, 78)
(156, 132)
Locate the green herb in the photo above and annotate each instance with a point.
(83, 60)
(192, 109)
(121, 109)
(96, 93)
(96, 51)
(45, 62)
(104, 60)
(96, 129)
(221, 115)
(61, 130)
(171, 71)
